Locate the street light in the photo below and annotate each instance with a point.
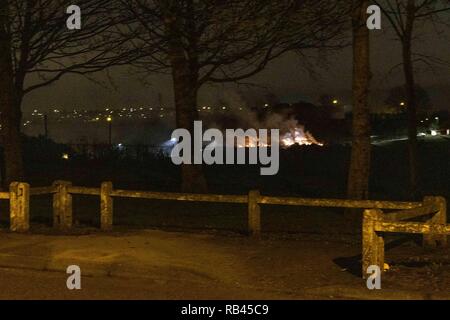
(402, 104)
(109, 120)
(335, 101)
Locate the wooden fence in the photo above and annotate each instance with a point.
(375, 222)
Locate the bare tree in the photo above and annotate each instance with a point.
(359, 173)
(10, 116)
(38, 49)
(404, 17)
(201, 41)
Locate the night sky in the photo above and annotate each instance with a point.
(285, 77)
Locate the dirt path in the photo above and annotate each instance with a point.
(268, 268)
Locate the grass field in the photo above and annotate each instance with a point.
(308, 172)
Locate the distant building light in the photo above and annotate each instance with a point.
(434, 132)
(335, 101)
(65, 156)
(402, 104)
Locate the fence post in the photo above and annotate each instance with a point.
(19, 200)
(440, 218)
(62, 206)
(106, 206)
(372, 243)
(254, 214)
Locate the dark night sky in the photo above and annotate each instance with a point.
(285, 77)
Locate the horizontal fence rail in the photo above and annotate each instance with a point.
(179, 196)
(37, 191)
(338, 203)
(84, 191)
(4, 195)
(411, 227)
(375, 222)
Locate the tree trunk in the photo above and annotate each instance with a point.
(408, 70)
(9, 108)
(192, 176)
(358, 178)
(185, 84)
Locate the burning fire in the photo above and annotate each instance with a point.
(296, 135)
(299, 136)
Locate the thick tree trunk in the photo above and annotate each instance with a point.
(358, 178)
(408, 70)
(183, 60)
(9, 108)
(192, 176)
(185, 82)
(412, 121)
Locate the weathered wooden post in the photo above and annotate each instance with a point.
(433, 240)
(254, 214)
(19, 201)
(62, 206)
(106, 206)
(372, 243)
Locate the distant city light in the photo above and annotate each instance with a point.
(65, 156)
(109, 119)
(402, 104)
(335, 101)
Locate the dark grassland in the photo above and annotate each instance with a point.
(304, 171)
